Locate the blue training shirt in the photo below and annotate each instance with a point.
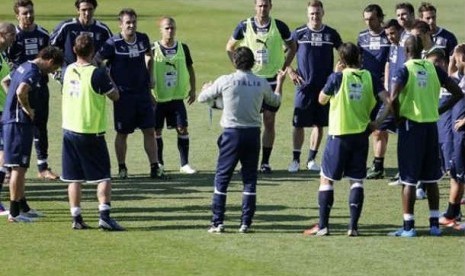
(30, 74)
(445, 40)
(28, 44)
(315, 56)
(127, 62)
(65, 33)
(374, 49)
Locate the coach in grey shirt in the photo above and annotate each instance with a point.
(242, 93)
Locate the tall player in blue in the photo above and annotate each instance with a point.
(129, 57)
(266, 37)
(374, 47)
(30, 39)
(315, 45)
(415, 97)
(65, 33)
(447, 41)
(457, 171)
(7, 37)
(18, 116)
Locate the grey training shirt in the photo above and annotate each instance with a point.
(243, 94)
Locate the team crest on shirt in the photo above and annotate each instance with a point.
(98, 36)
(440, 41)
(91, 34)
(327, 37)
(141, 45)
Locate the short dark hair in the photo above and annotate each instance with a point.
(422, 26)
(52, 53)
(315, 3)
(92, 2)
(407, 6)
(392, 23)
(21, 3)
(375, 8)
(349, 54)
(425, 6)
(84, 45)
(127, 11)
(269, 1)
(243, 59)
(413, 46)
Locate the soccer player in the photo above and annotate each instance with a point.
(175, 80)
(374, 46)
(415, 100)
(30, 39)
(352, 93)
(243, 93)
(315, 44)
(65, 33)
(18, 116)
(441, 37)
(267, 38)
(7, 37)
(406, 17)
(457, 172)
(129, 57)
(447, 41)
(85, 154)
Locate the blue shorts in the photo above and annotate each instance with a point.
(272, 82)
(389, 123)
(445, 123)
(84, 158)
(133, 111)
(17, 140)
(308, 111)
(174, 112)
(345, 155)
(457, 170)
(418, 153)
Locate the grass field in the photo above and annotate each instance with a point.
(167, 221)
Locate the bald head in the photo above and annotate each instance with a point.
(413, 47)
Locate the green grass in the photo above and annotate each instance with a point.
(167, 220)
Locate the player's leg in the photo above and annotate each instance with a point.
(298, 136)
(249, 155)
(120, 150)
(315, 141)
(180, 121)
(228, 144)
(380, 140)
(268, 137)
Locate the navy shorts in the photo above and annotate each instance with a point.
(418, 153)
(174, 112)
(308, 111)
(84, 158)
(133, 111)
(345, 155)
(272, 82)
(17, 140)
(457, 170)
(445, 123)
(389, 123)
